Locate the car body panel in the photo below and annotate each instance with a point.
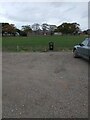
(83, 49)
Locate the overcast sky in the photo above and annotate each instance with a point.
(27, 13)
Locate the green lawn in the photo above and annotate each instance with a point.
(40, 43)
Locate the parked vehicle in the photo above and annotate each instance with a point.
(82, 49)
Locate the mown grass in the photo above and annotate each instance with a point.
(40, 43)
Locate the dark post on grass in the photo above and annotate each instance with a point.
(51, 45)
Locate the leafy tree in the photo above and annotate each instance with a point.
(69, 28)
(52, 29)
(26, 29)
(17, 30)
(22, 33)
(8, 28)
(87, 32)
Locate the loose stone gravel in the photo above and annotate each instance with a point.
(44, 85)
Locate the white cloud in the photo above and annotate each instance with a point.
(43, 1)
(21, 13)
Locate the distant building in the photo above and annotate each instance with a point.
(57, 33)
(10, 34)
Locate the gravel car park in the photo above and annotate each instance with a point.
(44, 85)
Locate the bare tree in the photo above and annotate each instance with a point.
(45, 28)
(36, 28)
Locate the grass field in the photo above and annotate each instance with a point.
(40, 43)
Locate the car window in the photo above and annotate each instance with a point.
(89, 42)
(85, 42)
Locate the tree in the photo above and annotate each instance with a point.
(87, 32)
(36, 28)
(22, 33)
(69, 28)
(17, 30)
(45, 28)
(8, 28)
(52, 29)
(26, 29)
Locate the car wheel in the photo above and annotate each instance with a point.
(75, 54)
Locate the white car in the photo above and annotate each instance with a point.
(82, 49)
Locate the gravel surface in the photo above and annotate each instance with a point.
(44, 85)
(0, 85)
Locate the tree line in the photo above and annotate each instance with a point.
(44, 29)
